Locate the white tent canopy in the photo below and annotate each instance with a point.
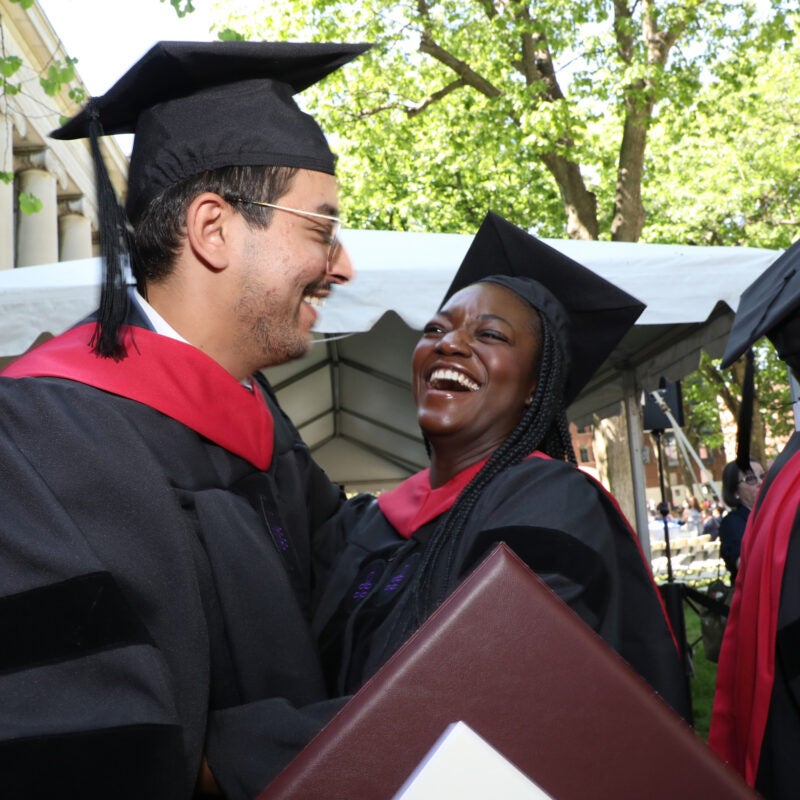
(351, 396)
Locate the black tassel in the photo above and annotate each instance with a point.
(114, 249)
(745, 426)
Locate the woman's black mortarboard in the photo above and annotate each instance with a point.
(590, 314)
(770, 300)
(196, 106)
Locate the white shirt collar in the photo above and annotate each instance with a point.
(160, 325)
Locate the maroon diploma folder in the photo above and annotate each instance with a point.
(514, 662)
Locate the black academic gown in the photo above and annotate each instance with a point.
(560, 521)
(755, 725)
(155, 591)
(731, 531)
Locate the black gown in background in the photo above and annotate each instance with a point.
(565, 527)
(155, 598)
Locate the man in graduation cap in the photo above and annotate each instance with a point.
(520, 332)
(156, 503)
(755, 724)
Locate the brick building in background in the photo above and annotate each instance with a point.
(675, 485)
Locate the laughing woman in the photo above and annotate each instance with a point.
(492, 375)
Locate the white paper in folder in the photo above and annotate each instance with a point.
(465, 766)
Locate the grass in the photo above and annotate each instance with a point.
(705, 675)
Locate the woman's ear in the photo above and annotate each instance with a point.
(207, 234)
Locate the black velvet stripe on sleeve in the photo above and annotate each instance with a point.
(66, 620)
(549, 551)
(144, 762)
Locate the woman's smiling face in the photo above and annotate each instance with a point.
(476, 367)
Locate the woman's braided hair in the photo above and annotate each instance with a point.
(544, 427)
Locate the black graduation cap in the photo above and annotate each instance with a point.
(197, 106)
(590, 314)
(771, 299)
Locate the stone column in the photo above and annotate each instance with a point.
(74, 231)
(6, 194)
(37, 233)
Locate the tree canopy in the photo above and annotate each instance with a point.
(723, 170)
(666, 121)
(540, 111)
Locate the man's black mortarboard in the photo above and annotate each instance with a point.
(770, 300)
(197, 106)
(589, 314)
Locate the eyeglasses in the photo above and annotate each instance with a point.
(751, 479)
(333, 233)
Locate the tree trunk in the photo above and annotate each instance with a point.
(612, 454)
(640, 99)
(629, 213)
(580, 204)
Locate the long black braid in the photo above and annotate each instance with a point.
(543, 426)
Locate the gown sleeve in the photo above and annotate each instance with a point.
(249, 744)
(571, 533)
(555, 520)
(89, 706)
(118, 630)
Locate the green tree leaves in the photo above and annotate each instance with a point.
(29, 203)
(182, 7)
(541, 111)
(9, 66)
(58, 74)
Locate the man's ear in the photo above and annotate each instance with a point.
(207, 229)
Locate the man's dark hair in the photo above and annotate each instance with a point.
(158, 233)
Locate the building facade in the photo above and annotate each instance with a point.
(56, 178)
